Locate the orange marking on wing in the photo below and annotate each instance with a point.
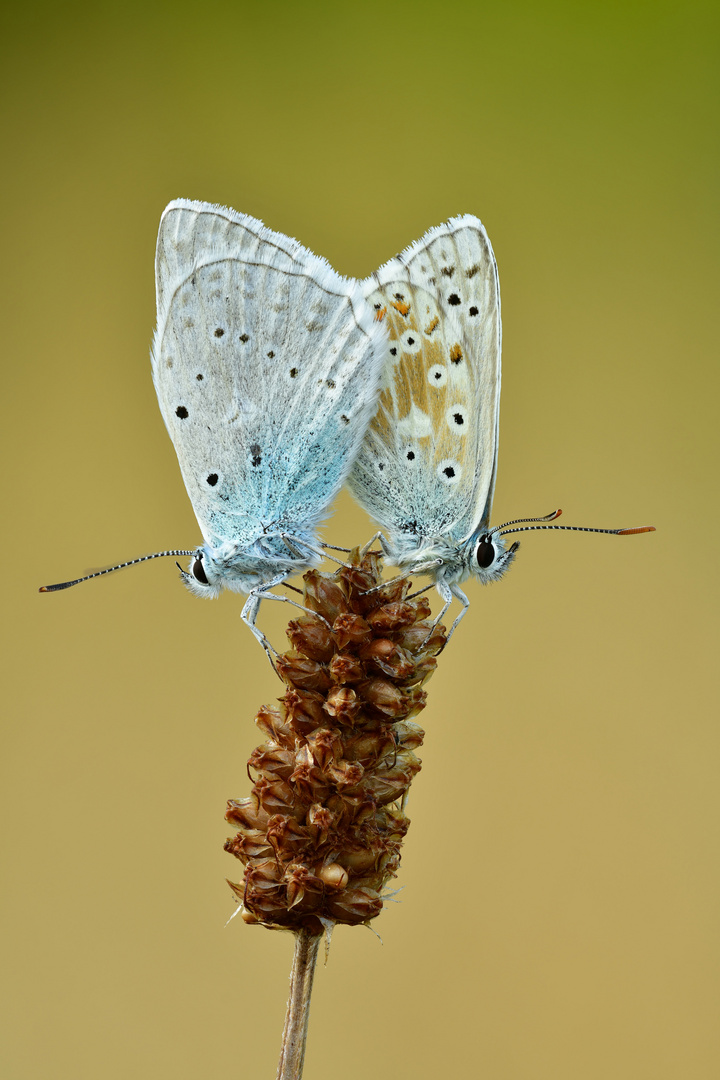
(380, 315)
(432, 325)
(456, 354)
(401, 306)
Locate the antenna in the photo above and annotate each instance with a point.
(521, 521)
(503, 530)
(110, 569)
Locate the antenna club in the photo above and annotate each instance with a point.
(62, 585)
(639, 529)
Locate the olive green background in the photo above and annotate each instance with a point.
(559, 916)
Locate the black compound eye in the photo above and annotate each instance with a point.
(485, 553)
(199, 572)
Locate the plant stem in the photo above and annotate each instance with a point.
(297, 1017)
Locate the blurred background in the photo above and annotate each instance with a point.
(559, 911)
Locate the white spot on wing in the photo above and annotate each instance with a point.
(416, 425)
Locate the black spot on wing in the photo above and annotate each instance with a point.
(409, 527)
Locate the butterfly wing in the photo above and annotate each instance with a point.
(427, 465)
(266, 365)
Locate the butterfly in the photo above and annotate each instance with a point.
(266, 365)
(427, 467)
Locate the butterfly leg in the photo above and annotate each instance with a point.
(421, 568)
(250, 610)
(446, 597)
(459, 595)
(447, 592)
(363, 551)
(419, 592)
(292, 543)
(249, 615)
(366, 547)
(286, 600)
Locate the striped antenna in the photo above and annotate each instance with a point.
(521, 521)
(110, 569)
(503, 530)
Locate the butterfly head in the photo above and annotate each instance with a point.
(212, 569)
(483, 555)
(244, 567)
(486, 557)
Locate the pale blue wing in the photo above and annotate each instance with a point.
(266, 365)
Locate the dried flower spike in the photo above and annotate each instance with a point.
(320, 833)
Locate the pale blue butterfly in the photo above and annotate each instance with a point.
(266, 365)
(426, 470)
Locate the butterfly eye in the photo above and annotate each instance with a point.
(199, 572)
(485, 553)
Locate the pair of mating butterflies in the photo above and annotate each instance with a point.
(279, 380)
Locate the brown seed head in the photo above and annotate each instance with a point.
(320, 834)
